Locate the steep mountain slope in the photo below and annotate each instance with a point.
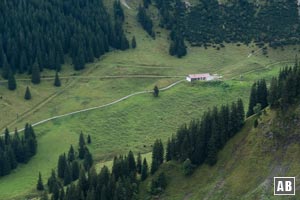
(247, 164)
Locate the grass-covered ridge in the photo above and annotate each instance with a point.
(246, 165)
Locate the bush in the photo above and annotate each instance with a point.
(158, 184)
(188, 167)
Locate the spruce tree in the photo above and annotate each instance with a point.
(104, 193)
(82, 182)
(75, 170)
(155, 91)
(57, 82)
(61, 166)
(81, 139)
(67, 175)
(81, 150)
(133, 42)
(241, 113)
(71, 154)
(90, 195)
(139, 163)
(88, 140)
(273, 93)
(168, 151)
(144, 171)
(40, 185)
(211, 152)
(262, 93)
(252, 100)
(88, 159)
(131, 162)
(52, 181)
(27, 95)
(5, 68)
(35, 74)
(12, 85)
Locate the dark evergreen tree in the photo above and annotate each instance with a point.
(118, 11)
(27, 95)
(252, 100)
(145, 21)
(91, 195)
(131, 162)
(75, 170)
(139, 163)
(12, 85)
(146, 3)
(89, 139)
(71, 154)
(61, 166)
(157, 156)
(144, 171)
(35, 74)
(211, 152)
(5, 68)
(81, 150)
(133, 42)
(240, 113)
(155, 91)
(67, 175)
(81, 140)
(52, 181)
(273, 94)
(40, 185)
(88, 159)
(104, 193)
(57, 82)
(262, 93)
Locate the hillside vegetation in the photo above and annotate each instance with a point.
(135, 123)
(247, 164)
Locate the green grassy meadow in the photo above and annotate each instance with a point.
(135, 123)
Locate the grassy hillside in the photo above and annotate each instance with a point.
(134, 123)
(246, 166)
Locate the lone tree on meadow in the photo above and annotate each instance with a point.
(133, 42)
(40, 185)
(27, 94)
(57, 82)
(155, 91)
(89, 140)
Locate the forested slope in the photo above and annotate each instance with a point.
(246, 165)
(41, 33)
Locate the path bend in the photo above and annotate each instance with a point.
(101, 106)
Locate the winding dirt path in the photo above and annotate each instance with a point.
(101, 106)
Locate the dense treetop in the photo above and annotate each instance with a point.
(43, 32)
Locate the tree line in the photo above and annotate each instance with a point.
(210, 23)
(285, 89)
(258, 97)
(201, 140)
(39, 34)
(272, 22)
(77, 173)
(16, 149)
